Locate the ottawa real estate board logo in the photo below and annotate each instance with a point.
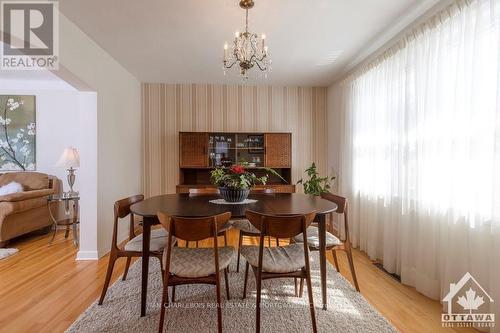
(467, 305)
(30, 35)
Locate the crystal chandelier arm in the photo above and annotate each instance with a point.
(260, 67)
(231, 65)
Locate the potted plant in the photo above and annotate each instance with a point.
(236, 181)
(315, 184)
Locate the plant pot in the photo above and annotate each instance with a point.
(234, 194)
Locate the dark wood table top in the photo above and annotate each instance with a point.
(199, 205)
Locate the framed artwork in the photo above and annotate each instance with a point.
(17, 133)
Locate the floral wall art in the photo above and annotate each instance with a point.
(17, 133)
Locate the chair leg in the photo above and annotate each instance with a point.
(164, 299)
(301, 288)
(335, 260)
(227, 283)
(240, 242)
(295, 287)
(351, 265)
(311, 302)
(277, 242)
(269, 241)
(225, 238)
(161, 263)
(246, 280)
(257, 309)
(127, 265)
(66, 233)
(111, 265)
(196, 244)
(173, 294)
(219, 310)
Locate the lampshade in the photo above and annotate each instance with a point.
(69, 158)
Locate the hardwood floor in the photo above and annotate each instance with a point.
(43, 288)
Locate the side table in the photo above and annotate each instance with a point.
(70, 220)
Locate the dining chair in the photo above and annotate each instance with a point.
(133, 247)
(246, 229)
(333, 243)
(210, 191)
(281, 261)
(185, 265)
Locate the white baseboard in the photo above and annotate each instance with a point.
(87, 255)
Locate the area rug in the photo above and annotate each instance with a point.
(194, 310)
(7, 252)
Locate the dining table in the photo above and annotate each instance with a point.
(185, 205)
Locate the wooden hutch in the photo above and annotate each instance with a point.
(200, 152)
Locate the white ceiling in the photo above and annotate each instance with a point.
(181, 41)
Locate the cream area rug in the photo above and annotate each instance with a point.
(7, 252)
(194, 310)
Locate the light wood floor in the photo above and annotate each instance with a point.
(43, 289)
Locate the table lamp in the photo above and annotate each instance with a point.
(70, 159)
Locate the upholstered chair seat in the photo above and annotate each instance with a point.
(158, 241)
(313, 238)
(281, 259)
(245, 225)
(197, 262)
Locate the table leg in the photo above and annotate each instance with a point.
(146, 235)
(322, 256)
(75, 235)
(54, 223)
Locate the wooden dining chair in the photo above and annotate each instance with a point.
(133, 247)
(246, 229)
(210, 191)
(333, 243)
(289, 261)
(185, 265)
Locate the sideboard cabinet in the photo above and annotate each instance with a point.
(201, 152)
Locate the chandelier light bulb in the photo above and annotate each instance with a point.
(263, 36)
(225, 46)
(237, 34)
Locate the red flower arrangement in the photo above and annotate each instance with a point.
(238, 169)
(238, 177)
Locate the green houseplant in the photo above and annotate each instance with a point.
(236, 181)
(315, 184)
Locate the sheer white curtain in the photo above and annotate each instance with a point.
(420, 157)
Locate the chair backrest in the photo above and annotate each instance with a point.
(194, 228)
(280, 226)
(342, 210)
(203, 191)
(122, 209)
(263, 191)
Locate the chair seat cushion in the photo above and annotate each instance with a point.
(225, 227)
(313, 238)
(197, 262)
(246, 226)
(281, 259)
(159, 239)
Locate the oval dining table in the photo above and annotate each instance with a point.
(186, 205)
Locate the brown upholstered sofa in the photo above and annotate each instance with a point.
(23, 212)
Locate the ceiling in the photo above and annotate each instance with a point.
(181, 41)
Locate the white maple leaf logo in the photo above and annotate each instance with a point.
(470, 301)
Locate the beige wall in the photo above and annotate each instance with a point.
(168, 109)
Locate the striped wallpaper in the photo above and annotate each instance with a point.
(170, 108)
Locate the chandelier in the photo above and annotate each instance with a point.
(247, 50)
